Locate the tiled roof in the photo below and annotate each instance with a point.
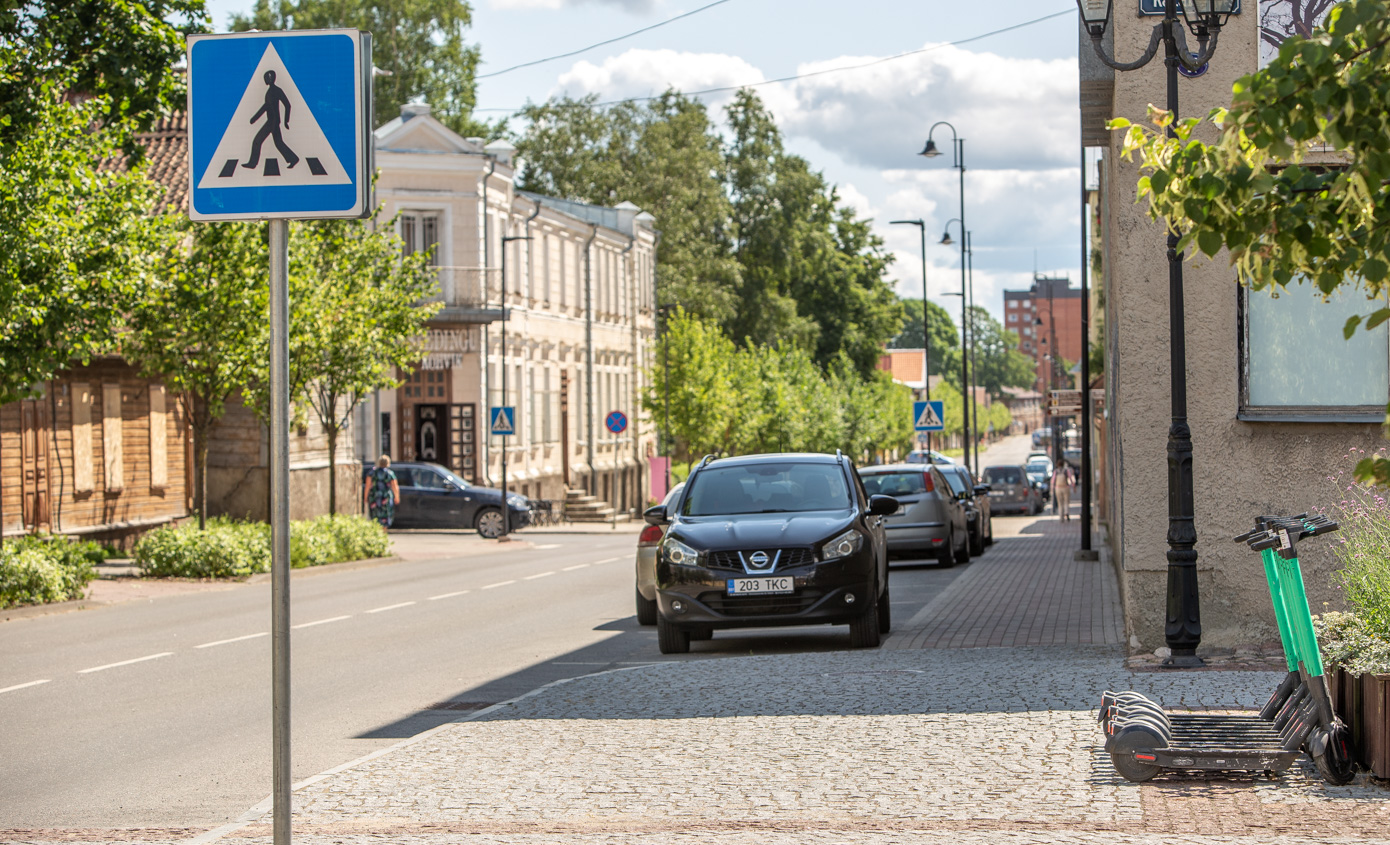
(166, 156)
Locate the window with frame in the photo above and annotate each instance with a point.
(1297, 365)
(420, 233)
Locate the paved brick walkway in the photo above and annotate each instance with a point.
(1025, 590)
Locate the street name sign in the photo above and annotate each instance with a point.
(1155, 8)
(504, 420)
(279, 125)
(928, 416)
(616, 422)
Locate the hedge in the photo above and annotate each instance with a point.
(230, 549)
(39, 569)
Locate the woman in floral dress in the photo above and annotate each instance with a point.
(382, 492)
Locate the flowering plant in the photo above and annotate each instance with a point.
(1360, 641)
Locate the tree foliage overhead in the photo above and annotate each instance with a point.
(421, 43)
(1297, 182)
(945, 340)
(751, 237)
(123, 51)
(997, 363)
(76, 239)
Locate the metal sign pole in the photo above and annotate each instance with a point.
(280, 524)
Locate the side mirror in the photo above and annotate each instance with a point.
(982, 489)
(655, 515)
(882, 505)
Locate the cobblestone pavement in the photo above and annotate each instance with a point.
(937, 745)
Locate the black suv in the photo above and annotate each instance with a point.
(766, 540)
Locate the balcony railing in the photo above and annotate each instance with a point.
(469, 294)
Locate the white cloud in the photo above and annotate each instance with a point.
(635, 6)
(1019, 113)
(646, 73)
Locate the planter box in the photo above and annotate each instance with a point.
(1363, 702)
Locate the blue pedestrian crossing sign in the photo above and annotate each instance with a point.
(503, 420)
(279, 125)
(928, 416)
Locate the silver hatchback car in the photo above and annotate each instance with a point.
(931, 519)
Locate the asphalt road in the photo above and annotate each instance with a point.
(157, 712)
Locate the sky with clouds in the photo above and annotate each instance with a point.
(1012, 96)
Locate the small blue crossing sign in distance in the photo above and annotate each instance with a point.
(503, 420)
(279, 125)
(928, 416)
(616, 422)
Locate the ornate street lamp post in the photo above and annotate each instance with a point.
(1205, 18)
(926, 333)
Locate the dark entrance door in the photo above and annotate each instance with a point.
(432, 434)
(34, 436)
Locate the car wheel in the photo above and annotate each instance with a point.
(989, 530)
(885, 612)
(671, 638)
(977, 541)
(864, 630)
(489, 523)
(646, 609)
(946, 555)
(963, 556)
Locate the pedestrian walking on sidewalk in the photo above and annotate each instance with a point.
(382, 492)
(1062, 481)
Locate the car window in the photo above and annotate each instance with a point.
(903, 483)
(428, 479)
(404, 477)
(671, 496)
(773, 487)
(956, 480)
(1003, 475)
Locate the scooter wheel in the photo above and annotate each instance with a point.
(1131, 742)
(1335, 763)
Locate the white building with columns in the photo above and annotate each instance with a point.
(579, 300)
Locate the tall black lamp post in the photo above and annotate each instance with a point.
(958, 162)
(926, 334)
(506, 508)
(1205, 18)
(967, 396)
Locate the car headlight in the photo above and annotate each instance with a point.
(842, 546)
(679, 554)
(519, 501)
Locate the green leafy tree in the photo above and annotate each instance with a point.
(1267, 189)
(699, 388)
(361, 318)
(199, 326)
(121, 51)
(945, 338)
(423, 44)
(76, 239)
(997, 362)
(999, 417)
(664, 156)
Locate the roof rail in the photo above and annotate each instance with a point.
(839, 456)
(706, 459)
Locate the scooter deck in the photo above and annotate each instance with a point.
(1209, 742)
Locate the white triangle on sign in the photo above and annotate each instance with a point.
(315, 163)
(928, 418)
(501, 423)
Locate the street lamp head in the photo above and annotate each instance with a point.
(930, 150)
(1095, 14)
(1204, 15)
(946, 238)
(907, 223)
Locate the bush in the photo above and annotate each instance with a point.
(1359, 641)
(41, 569)
(228, 549)
(1347, 641)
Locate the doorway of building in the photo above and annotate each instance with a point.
(431, 434)
(34, 434)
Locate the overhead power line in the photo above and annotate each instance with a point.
(841, 69)
(600, 44)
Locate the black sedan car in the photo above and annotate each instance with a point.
(761, 540)
(434, 497)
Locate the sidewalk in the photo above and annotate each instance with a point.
(975, 723)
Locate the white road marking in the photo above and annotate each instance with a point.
(23, 686)
(125, 662)
(541, 575)
(499, 584)
(572, 568)
(448, 595)
(321, 622)
(391, 607)
(234, 640)
(548, 546)
(606, 560)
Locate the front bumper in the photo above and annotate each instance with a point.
(820, 595)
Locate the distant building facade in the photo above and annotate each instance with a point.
(1047, 320)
